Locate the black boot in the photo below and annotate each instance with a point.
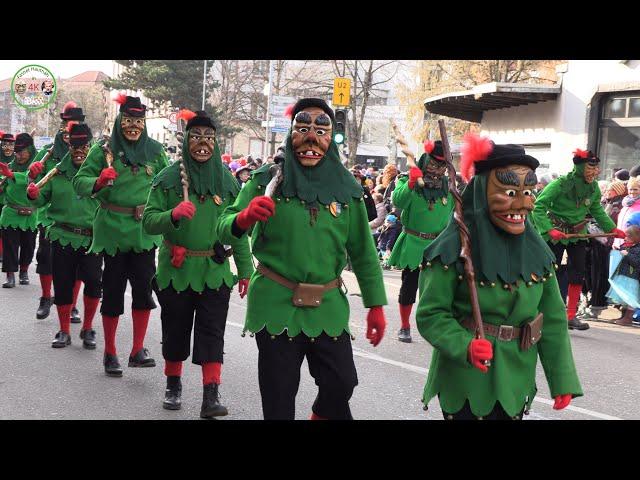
(24, 278)
(88, 339)
(112, 365)
(404, 335)
(173, 394)
(11, 281)
(142, 359)
(578, 325)
(62, 340)
(75, 316)
(211, 406)
(44, 309)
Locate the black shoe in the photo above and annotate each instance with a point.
(173, 394)
(45, 308)
(578, 325)
(142, 359)
(88, 339)
(24, 278)
(11, 281)
(211, 406)
(112, 365)
(75, 316)
(62, 340)
(404, 335)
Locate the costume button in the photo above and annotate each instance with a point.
(327, 207)
(301, 202)
(446, 267)
(425, 408)
(459, 277)
(291, 339)
(313, 340)
(449, 417)
(529, 284)
(482, 284)
(493, 284)
(505, 286)
(335, 339)
(278, 199)
(480, 418)
(243, 334)
(428, 264)
(287, 200)
(353, 337)
(273, 337)
(345, 205)
(299, 300)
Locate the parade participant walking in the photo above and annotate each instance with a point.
(425, 212)
(120, 180)
(59, 148)
(7, 143)
(561, 209)
(193, 267)
(70, 235)
(301, 237)
(18, 218)
(522, 312)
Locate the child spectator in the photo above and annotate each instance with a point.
(388, 235)
(625, 288)
(381, 211)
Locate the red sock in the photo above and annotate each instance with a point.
(110, 325)
(64, 315)
(405, 313)
(572, 302)
(90, 307)
(211, 373)
(76, 291)
(24, 268)
(140, 322)
(45, 283)
(316, 417)
(172, 369)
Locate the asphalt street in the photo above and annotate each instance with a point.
(39, 382)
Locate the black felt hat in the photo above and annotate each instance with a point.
(23, 140)
(79, 134)
(312, 102)
(71, 111)
(481, 155)
(584, 156)
(132, 106)
(201, 119)
(434, 149)
(7, 137)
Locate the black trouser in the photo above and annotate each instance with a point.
(576, 266)
(330, 364)
(177, 314)
(68, 265)
(13, 240)
(465, 413)
(139, 269)
(43, 255)
(598, 279)
(409, 286)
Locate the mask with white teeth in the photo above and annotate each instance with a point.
(311, 135)
(510, 197)
(201, 143)
(132, 127)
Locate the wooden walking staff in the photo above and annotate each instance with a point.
(108, 155)
(589, 235)
(184, 178)
(465, 237)
(411, 158)
(52, 173)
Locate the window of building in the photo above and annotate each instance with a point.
(619, 132)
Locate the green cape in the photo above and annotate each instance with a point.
(16, 167)
(67, 167)
(60, 148)
(496, 254)
(141, 152)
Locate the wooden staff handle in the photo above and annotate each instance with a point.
(43, 181)
(184, 176)
(404, 147)
(589, 235)
(108, 156)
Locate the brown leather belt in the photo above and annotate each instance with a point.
(565, 227)
(87, 232)
(193, 253)
(424, 236)
(136, 212)
(502, 332)
(24, 211)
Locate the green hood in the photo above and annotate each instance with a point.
(141, 152)
(67, 167)
(16, 167)
(574, 186)
(432, 194)
(60, 149)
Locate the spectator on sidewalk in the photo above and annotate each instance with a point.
(625, 288)
(630, 205)
(380, 210)
(389, 233)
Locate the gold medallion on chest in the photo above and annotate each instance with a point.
(335, 208)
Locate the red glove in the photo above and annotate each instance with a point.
(414, 174)
(258, 210)
(480, 349)
(183, 210)
(35, 169)
(243, 287)
(376, 323)
(177, 255)
(5, 170)
(106, 175)
(33, 191)
(562, 401)
(619, 233)
(556, 234)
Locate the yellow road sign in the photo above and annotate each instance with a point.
(341, 92)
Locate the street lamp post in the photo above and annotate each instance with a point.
(269, 98)
(204, 83)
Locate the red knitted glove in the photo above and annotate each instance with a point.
(376, 323)
(480, 349)
(106, 175)
(556, 234)
(243, 287)
(562, 401)
(35, 169)
(183, 210)
(619, 233)
(177, 255)
(414, 174)
(258, 210)
(33, 191)
(5, 170)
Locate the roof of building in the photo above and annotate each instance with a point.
(92, 76)
(471, 104)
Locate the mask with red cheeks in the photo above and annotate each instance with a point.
(510, 197)
(132, 127)
(201, 143)
(311, 135)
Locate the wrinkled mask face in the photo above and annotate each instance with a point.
(23, 156)
(78, 154)
(202, 140)
(132, 127)
(244, 175)
(434, 172)
(510, 197)
(311, 135)
(591, 171)
(7, 148)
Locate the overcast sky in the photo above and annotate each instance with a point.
(60, 68)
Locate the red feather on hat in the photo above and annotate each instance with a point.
(288, 112)
(429, 146)
(70, 125)
(580, 153)
(119, 97)
(474, 149)
(70, 104)
(1, 134)
(186, 114)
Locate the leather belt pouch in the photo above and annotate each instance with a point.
(137, 214)
(531, 333)
(308, 295)
(24, 211)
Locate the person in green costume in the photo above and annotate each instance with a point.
(561, 209)
(301, 238)
(18, 218)
(7, 143)
(522, 311)
(193, 276)
(70, 112)
(70, 236)
(425, 212)
(121, 180)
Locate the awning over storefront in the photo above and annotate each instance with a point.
(471, 104)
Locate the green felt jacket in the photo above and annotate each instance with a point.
(115, 232)
(444, 303)
(416, 215)
(199, 233)
(14, 192)
(290, 244)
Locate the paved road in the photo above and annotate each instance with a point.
(38, 382)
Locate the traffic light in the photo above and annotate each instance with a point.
(341, 126)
